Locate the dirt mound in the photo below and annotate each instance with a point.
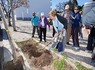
(39, 57)
(31, 50)
(44, 60)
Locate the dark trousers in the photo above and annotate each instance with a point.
(80, 32)
(42, 30)
(53, 32)
(75, 37)
(90, 39)
(34, 28)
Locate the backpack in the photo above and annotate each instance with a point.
(62, 20)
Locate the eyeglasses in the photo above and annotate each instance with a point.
(75, 9)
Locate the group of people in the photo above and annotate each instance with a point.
(40, 24)
(61, 33)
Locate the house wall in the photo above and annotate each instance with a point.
(37, 6)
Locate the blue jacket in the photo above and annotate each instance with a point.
(35, 20)
(76, 21)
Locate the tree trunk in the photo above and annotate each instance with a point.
(9, 19)
(13, 19)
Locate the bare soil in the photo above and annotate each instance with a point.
(39, 58)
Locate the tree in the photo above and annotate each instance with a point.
(60, 6)
(9, 6)
(72, 4)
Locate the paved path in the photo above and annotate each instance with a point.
(24, 32)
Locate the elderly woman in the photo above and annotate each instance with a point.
(59, 35)
(43, 22)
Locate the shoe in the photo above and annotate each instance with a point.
(44, 40)
(61, 53)
(68, 43)
(76, 48)
(51, 49)
(32, 36)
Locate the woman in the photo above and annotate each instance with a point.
(59, 28)
(76, 18)
(43, 22)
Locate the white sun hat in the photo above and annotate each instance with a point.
(67, 6)
(42, 13)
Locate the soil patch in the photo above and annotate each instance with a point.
(38, 56)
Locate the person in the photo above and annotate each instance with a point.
(90, 23)
(80, 26)
(67, 14)
(35, 20)
(76, 18)
(60, 33)
(43, 22)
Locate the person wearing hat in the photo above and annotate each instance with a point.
(43, 22)
(67, 14)
(35, 20)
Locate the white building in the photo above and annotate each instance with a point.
(37, 6)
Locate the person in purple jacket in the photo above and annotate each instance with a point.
(43, 22)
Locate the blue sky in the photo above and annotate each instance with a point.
(80, 2)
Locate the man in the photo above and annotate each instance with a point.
(67, 14)
(35, 20)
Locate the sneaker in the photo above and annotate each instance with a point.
(51, 48)
(61, 52)
(44, 40)
(76, 48)
(68, 43)
(32, 36)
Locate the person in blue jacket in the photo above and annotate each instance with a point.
(76, 18)
(35, 21)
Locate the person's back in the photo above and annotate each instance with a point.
(89, 20)
(88, 13)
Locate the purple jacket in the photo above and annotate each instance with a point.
(45, 23)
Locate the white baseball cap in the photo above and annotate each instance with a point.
(67, 6)
(42, 13)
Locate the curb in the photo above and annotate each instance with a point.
(14, 47)
(26, 65)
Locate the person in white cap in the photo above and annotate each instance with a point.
(43, 22)
(67, 14)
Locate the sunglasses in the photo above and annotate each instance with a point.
(75, 9)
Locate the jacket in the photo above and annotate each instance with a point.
(45, 23)
(35, 20)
